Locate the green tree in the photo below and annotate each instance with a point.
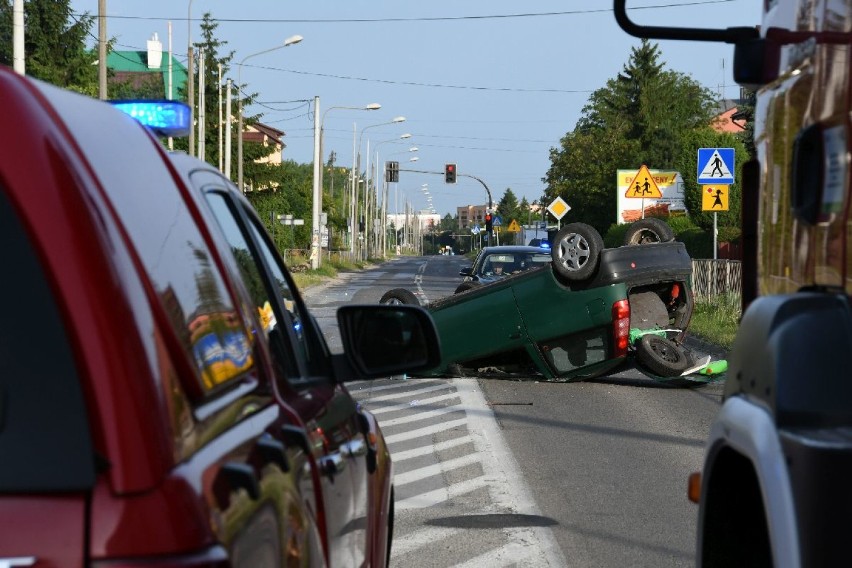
(54, 44)
(507, 207)
(639, 117)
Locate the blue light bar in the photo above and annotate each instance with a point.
(544, 244)
(165, 118)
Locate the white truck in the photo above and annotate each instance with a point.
(775, 485)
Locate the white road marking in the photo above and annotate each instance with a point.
(435, 469)
(422, 416)
(432, 498)
(420, 402)
(423, 432)
(398, 457)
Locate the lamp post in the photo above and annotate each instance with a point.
(382, 216)
(190, 88)
(319, 183)
(356, 167)
(287, 42)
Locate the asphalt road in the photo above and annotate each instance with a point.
(492, 471)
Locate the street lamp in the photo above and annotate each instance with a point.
(381, 242)
(190, 90)
(318, 172)
(356, 167)
(287, 42)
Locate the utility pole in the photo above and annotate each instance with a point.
(102, 52)
(18, 51)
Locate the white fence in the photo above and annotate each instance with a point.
(713, 277)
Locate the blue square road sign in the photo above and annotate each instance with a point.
(716, 165)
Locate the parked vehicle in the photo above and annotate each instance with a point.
(569, 314)
(773, 489)
(165, 397)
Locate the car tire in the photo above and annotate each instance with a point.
(576, 251)
(399, 296)
(465, 286)
(661, 356)
(646, 231)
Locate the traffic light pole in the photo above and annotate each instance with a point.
(488, 191)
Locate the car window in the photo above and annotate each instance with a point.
(45, 444)
(571, 352)
(285, 326)
(309, 340)
(267, 309)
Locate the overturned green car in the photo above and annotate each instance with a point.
(571, 318)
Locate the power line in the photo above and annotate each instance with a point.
(422, 19)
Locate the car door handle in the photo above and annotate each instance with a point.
(332, 464)
(296, 437)
(273, 451)
(233, 476)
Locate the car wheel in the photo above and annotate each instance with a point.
(576, 251)
(650, 230)
(465, 286)
(399, 296)
(661, 356)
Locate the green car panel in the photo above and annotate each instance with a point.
(535, 312)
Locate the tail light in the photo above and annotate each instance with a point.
(621, 327)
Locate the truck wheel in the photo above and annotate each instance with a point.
(399, 296)
(650, 230)
(465, 286)
(576, 251)
(661, 356)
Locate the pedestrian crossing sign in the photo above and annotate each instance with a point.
(715, 197)
(716, 166)
(644, 185)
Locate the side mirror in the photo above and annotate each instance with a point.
(380, 340)
(756, 62)
(466, 271)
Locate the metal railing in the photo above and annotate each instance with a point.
(711, 278)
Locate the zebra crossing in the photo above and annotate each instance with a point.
(460, 499)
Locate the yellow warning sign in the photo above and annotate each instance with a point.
(714, 197)
(514, 227)
(644, 185)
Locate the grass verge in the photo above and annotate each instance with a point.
(305, 277)
(716, 320)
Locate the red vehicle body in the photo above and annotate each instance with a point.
(165, 397)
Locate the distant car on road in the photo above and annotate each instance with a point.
(494, 263)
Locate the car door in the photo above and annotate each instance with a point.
(329, 428)
(46, 448)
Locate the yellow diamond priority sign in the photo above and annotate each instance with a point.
(643, 185)
(558, 208)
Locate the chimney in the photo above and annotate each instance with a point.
(155, 52)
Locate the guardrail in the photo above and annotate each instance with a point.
(713, 277)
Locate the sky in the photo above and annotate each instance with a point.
(491, 85)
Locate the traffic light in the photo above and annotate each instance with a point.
(392, 171)
(488, 224)
(450, 173)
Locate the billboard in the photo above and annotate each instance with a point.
(629, 208)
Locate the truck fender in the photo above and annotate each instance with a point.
(747, 427)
